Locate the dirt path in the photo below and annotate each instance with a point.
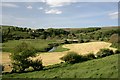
(50, 58)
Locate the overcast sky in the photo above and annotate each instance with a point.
(59, 14)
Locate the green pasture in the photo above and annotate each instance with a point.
(106, 67)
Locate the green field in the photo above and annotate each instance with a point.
(98, 68)
(36, 43)
(39, 44)
(60, 49)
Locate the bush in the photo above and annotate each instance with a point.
(36, 64)
(19, 66)
(114, 38)
(71, 57)
(90, 56)
(117, 51)
(86, 40)
(81, 41)
(104, 53)
(20, 57)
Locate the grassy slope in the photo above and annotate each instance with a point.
(99, 68)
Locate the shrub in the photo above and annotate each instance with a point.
(19, 67)
(71, 57)
(104, 53)
(86, 40)
(81, 41)
(117, 51)
(90, 56)
(114, 38)
(20, 57)
(101, 39)
(36, 64)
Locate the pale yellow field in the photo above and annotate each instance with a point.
(6, 61)
(83, 48)
(5, 58)
(50, 58)
(86, 48)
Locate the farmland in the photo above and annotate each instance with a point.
(88, 40)
(84, 48)
(55, 39)
(50, 58)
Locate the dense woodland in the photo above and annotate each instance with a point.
(81, 34)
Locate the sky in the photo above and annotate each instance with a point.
(58, 14)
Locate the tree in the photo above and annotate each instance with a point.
(39, 30)
(6, 34)
(21, 57)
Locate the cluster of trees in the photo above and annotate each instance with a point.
(11, 32)
(98, 35)
(49, 33)
(83, 35)
(87, 30)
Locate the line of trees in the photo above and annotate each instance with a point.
(85, 34)
(10, 33)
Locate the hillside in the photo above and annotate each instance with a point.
(17, 34)
(92, 33)
(45, 39)
(98, 68)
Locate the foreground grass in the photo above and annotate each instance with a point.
(98, 68)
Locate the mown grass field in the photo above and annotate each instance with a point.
(98, 68)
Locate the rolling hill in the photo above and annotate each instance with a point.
(98, 68)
